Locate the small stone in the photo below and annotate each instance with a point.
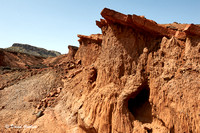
(49, 104)
(59, 90)
(39, 114)
(44, 104)
(39, 106)
(145, 50)
(52, 93)
(43, 100)
(50, 98)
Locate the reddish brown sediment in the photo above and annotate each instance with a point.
(136, 77)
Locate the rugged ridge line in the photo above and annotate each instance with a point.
(142, 23)
(32, 50)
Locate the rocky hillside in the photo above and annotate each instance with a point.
(10, 60)
(136, 77)
(32, 50)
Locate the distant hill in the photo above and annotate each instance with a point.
(32, 50)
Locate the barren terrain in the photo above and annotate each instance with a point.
(136, 77)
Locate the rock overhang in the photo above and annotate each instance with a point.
(97, 38)
(142, 24)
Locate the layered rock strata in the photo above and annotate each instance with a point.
(89, 50)
(138, 76)
(140, 84)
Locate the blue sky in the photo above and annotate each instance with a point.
(54, 24)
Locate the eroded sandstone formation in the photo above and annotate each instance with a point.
(136, 77)
(140, 85)
(90, 48)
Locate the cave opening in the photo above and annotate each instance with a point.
(140, 106)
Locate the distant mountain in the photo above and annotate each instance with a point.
(32, 50)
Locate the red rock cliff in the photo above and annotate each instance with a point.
(137, 77)
(89, 50)
(143, 78)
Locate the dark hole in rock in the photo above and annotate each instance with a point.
(162, 54)
(172, 130)
(149, 130)
(93, 75)
(163, 64)
(140, 106)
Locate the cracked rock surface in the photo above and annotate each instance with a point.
(136, 77)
